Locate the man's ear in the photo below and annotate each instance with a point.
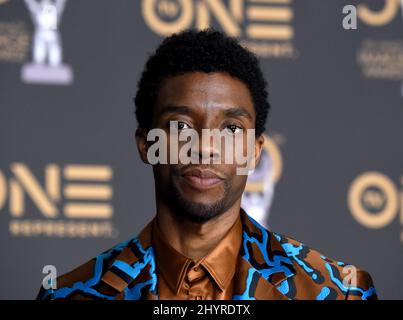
(142, 144)
(259, 141)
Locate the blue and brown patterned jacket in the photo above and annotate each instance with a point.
(270, 266)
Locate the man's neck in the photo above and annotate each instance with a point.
(192, 239)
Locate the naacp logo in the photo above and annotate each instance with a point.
(378, 58)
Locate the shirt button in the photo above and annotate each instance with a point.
(194, 275)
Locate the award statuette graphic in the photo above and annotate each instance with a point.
(47, 66)
(258, 196)
(257, 201)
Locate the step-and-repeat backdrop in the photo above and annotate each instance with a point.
(72, 183)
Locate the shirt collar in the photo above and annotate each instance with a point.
(220, 262)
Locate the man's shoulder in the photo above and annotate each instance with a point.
(313, 268)
(300, 252)
(108, 274)
(86, 277)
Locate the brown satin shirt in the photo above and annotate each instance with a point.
(181, 278)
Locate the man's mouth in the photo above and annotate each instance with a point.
(202, 178)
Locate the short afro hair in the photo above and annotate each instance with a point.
(206, 51)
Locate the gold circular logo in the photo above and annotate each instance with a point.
(379, 18)
(373, 200)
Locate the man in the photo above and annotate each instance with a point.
(201, 244)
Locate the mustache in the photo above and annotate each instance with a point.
(202, 171)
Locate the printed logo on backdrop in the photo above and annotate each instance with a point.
(378, 58)
(14, 39)
(265, 27)
(259, 191)
(71, 201)
(47, 66)
(376, 201)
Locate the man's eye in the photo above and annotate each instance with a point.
(234, 129)
(179, 125)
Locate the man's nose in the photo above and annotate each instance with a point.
(208, 151)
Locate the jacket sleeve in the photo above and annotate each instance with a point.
(45, 294)
(362, 288)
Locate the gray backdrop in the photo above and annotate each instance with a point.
(335, 129)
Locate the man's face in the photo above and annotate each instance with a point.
(197, 101)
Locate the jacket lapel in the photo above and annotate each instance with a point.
(132, 273)
(263, 266)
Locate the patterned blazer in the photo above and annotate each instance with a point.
(270, 266)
